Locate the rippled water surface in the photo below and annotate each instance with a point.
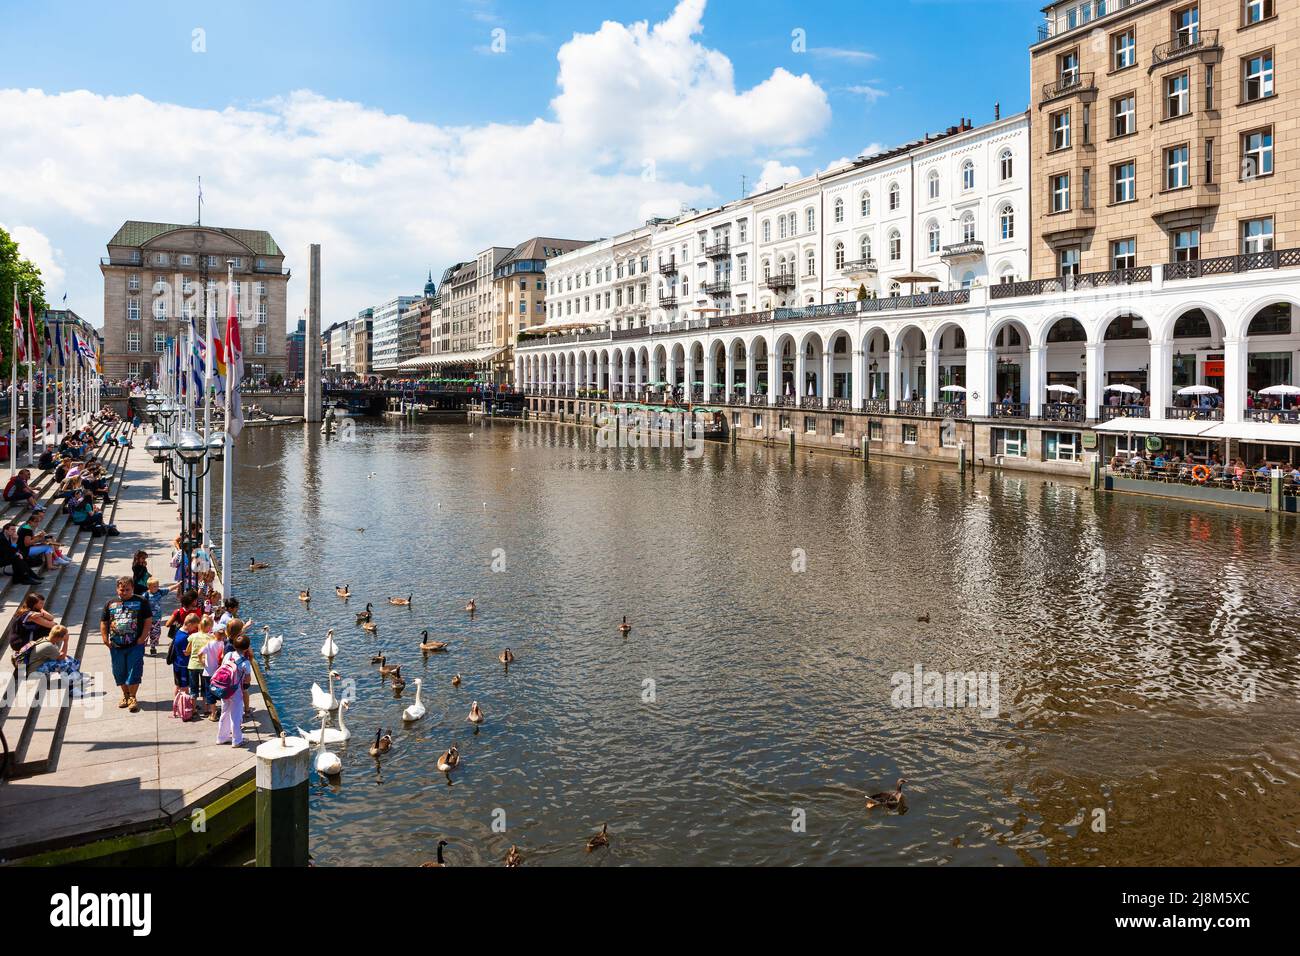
(1145, 654)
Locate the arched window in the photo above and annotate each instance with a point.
(810, 215)
(895, 290)
(1006, 164)
(781, 222)
(767, 230)
(1007, 221)
(839, 210)
(932, 234)
(968, 226)
(794, 224)
(968, 279)
(932, 185)
(864, 247)
(839, 255)
(895, 246)
(780, 265)
(968, 175)
(811, 260)
(865, 203)
(767, 269)
(895, 197)
(839, 296)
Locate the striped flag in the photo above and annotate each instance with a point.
(234, 370)
(18, 330)
(60, 348)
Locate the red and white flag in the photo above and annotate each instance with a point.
(234, 369)
(20, 348)
(31, 329)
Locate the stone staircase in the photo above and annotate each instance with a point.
(34, 710)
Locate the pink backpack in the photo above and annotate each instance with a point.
(182, 704)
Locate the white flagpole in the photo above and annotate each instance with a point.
(209, 328)
(13, 395)
(31, 386)
(228, 459)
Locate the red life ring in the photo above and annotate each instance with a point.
(1200, 474)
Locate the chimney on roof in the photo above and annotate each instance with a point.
(997, 111)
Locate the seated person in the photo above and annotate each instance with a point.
(12, 557)
(19, 491)
(47, 459)
(36, 546)
(86, 515)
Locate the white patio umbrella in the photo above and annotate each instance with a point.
(1129, 389)
(953, 388)
(1198, 390)
(1067, 389)
(1280, 390)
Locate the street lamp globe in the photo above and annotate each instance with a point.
(191, 446)
(159, 445)
(217, 446)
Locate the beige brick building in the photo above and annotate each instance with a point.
(154, 278)
(1163, 131)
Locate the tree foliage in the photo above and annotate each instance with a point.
(16, 269)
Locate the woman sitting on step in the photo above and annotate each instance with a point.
(86, 515)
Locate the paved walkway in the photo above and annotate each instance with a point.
(115, 772)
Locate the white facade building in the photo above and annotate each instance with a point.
(703, 263)
(580, 286)
(387, 328)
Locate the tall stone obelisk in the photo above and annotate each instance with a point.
(311, 345)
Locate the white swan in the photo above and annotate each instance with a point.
(328, 735)
(323, 701)
(329, 649)
(327, 764)
(416, 710)
(271, 645)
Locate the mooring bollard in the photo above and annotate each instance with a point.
(1094, 473)
(792, 443)
(1275, 490)
(866, 449)
(961, 456)
(282, 769)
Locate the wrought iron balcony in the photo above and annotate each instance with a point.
(949, 410)
(758, 401)
(721, 287)
(875, 406)
(1061, 412)
(720, 250)
(1008, 410)
(668, 268)
(1185, 44)
(1225, 265)
(812, 401)
(1273, 415)
(1068, 85)
(1107, 412)
(914, 409)
(782, 280)
(668, 301)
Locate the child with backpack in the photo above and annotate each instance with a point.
(199, 641)
(178, 655)
(227, 686)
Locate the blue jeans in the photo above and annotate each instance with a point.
(128, 664)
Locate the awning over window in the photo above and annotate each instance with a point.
(446, 359)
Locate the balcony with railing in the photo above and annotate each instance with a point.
(1227, 265)
(720, 287)
(1008, 410)
(949, 410)
(667, 301)
(1184, 44)
(1070, 283)
(859, 267)
(875, 406)
(913, 409)
(1276, 416)
(1191, 413)
(719, 250)
(1069, 84)
(1106, 413)
(668, 268)
(1063, 18)
(962, 251)
(1061, 412)
(811, 401)
(780, 281)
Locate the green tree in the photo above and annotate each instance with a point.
(15, 269)
(862, 292)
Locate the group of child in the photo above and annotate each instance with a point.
(211, 664)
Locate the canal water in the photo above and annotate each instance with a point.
(1143, 653)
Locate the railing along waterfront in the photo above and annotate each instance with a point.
(1107, 412)
(1193, 414)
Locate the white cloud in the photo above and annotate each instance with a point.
(871, 149)
(388, 196)
(842, 53)
(36, 246)
(866, 90)
(635, 92)
(774, 174)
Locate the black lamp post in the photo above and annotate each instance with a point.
(188, 459)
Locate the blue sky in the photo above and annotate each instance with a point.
(869, 74)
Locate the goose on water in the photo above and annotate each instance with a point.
(382, 743)
(625, 628)
(475, 714)
(449, 759)
(329, 735)
(342, 592)
(305, 596)
(890, 799)
(401, 602)
(431, 646)
(600, 839)
(416, 710)
(506, 657)
(365, 615)
(439, 862)
(255, 565)
(514, 857)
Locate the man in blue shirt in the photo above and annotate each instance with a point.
(122, 625)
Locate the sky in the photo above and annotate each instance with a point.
(405, 136)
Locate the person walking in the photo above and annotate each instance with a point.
(123, 623)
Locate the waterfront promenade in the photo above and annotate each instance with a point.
(111, 773)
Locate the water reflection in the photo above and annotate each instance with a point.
(1129, 637)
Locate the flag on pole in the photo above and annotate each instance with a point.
(234, 371)
(31, 329)
(60, 349)
(19, 349)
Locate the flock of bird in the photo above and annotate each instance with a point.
(325, 701)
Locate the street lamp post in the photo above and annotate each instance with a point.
(188, 458)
